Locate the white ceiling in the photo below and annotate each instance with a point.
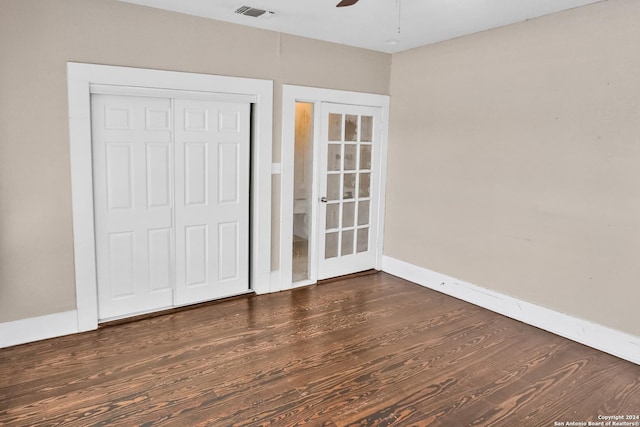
(372, 24)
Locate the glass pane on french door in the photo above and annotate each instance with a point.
(349, 196)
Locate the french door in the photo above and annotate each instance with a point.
(349, 167)
(171, 201)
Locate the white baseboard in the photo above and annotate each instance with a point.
(38, 328)
(600, 337)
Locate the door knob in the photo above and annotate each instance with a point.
(323, 199)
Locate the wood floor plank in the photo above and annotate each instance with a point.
(363, 351)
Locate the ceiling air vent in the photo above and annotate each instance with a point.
(251, 11)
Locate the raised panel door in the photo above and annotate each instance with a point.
(132, 173)
(212, 199)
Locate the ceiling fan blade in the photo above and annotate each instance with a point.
(344, 3)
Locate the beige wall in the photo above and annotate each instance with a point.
(38, 37)
(514, 161)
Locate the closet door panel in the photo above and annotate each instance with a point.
(132, 166)
(212, 199)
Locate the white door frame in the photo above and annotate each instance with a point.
(80, 77)
(316, 96)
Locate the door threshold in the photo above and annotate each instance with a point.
(349, 276)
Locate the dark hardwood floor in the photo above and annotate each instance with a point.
(367, 351)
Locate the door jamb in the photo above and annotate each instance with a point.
(79, 79)
(290, 95)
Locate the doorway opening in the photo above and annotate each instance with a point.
(82, 79)
(332, 192)
(302, 192)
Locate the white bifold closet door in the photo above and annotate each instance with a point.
(212, 200)
(171, 190)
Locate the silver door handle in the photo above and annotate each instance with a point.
(323, 199)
